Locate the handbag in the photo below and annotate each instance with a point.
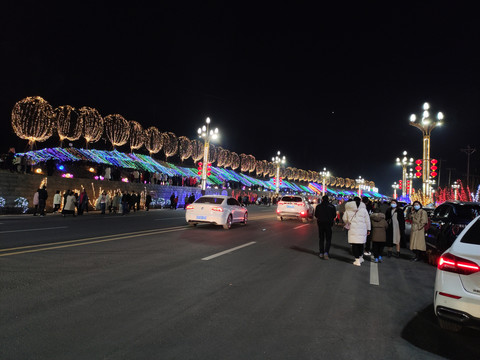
(348, 223)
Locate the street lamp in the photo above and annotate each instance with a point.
(324, 174)
(426, 124)
(278, 161)
(207, 134)
(360, 183)
(455, 187)
(395, 187)
(410, 177)
(404, 162)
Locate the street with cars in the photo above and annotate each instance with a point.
(150, 285)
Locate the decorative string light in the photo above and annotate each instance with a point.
(184, 148)
(244, 163)
(93, 124)
(32, 119)
(235, 161)
(117, 129)
(259, 168)
(137, 135)
(212, 153)
(68, 123)
(170, 144)
(253, 163)
(153, 140)
(197, 150)
(222, 157)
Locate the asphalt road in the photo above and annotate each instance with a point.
(148, 286)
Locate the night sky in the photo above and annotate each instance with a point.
(328, 87)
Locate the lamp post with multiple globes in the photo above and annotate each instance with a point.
(324, 174)
(404, 162)
(395, 186)
(278, 161)
(360, 183)
(426, 124)
(455, 187)
(207, 134)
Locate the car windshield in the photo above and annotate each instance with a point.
(467, 212)
(472, 236)
(210, 200)
(292, 199)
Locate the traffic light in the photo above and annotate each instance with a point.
(433, 173)
(200, 166)
(418, 168)
(209, 169)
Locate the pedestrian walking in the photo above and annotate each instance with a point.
(35, 202)
(325, 213)
(148, 200)
(83, 202)
(42, 199)
(57, 201)
(396, 228)
(357, 220)
(69, 205)
(378, 234)
(172, 201)
(116, 201)
(419, 219)
(369, 206)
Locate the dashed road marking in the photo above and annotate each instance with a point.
(228, 251)
(38, 229)
(300, 226)
(374, 280)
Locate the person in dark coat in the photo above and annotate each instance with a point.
(396, 228)
(325, 213)
(42, 200)
(148, 200)
(378, 234)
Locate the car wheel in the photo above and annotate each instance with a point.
(449, 325)
(192, 224)
(304, 220)
(228, 224)
(245, 219)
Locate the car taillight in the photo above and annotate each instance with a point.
(299, 204)
(455, 264)
(189, 207)
(302, 213)
(217, 208)
(281, 203)
(278, 211)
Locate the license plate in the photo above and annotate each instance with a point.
(201, 217)
(290, 207)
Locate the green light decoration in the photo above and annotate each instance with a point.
(93, 124)
(32, 120)
(117, 129)
(68, 123)
(153, 140)
(170, 144)
(235, 161)
(184, 148)
(137, 135)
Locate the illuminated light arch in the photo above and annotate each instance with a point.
(184, 147)
(153, 140)
(68, 123)
(93, 124)
(137, 135)
(117, 129)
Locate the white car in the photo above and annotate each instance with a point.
(294, 206)
(457, 283)
(216, 209)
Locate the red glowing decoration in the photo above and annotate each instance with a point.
(433, 168)
(433, 174)
(418, 174)
(418, 162)
(433, 161)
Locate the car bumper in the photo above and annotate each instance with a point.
(291, 214)
(465, 309)
(217, 219)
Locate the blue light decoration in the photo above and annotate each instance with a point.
(21, 203)
(2, 202)
(142, 162)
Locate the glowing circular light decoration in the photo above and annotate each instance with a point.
(137, 135)
(212, 153)
(348, 183)
(32, 119)
(221, 156)
(259, 168)
(197, 150)
(170, 144)
(271, 167)
(244, 163)
(228, 159)
(153, 140)
(117, 129)
(68, 122)
(333, 181)
(253, 163)
(235, 161)
(288, 173)
(184, 148)
(92, 124)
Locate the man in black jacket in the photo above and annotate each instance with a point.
(42, 199)
(325, 214)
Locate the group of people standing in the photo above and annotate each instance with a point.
(368, 228)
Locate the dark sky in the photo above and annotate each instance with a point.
(326, 86)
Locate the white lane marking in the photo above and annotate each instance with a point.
(374, 280)
(299, 226)
(228, 251)
(22, 230)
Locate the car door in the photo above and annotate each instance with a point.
(233, 205)
(439, 223)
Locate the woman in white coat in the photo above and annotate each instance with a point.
(356, 215)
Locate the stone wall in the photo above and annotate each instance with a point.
(14, 186)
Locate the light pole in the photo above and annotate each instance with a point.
(426, 125)
(207, 134)
(404, 162)
(324, 174)
(395, 187)
(360, 183)
(410, 177)
(278, 161)
(455, 187)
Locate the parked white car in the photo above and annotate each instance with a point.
(294, 206)
(457, 283)
(216, 209)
